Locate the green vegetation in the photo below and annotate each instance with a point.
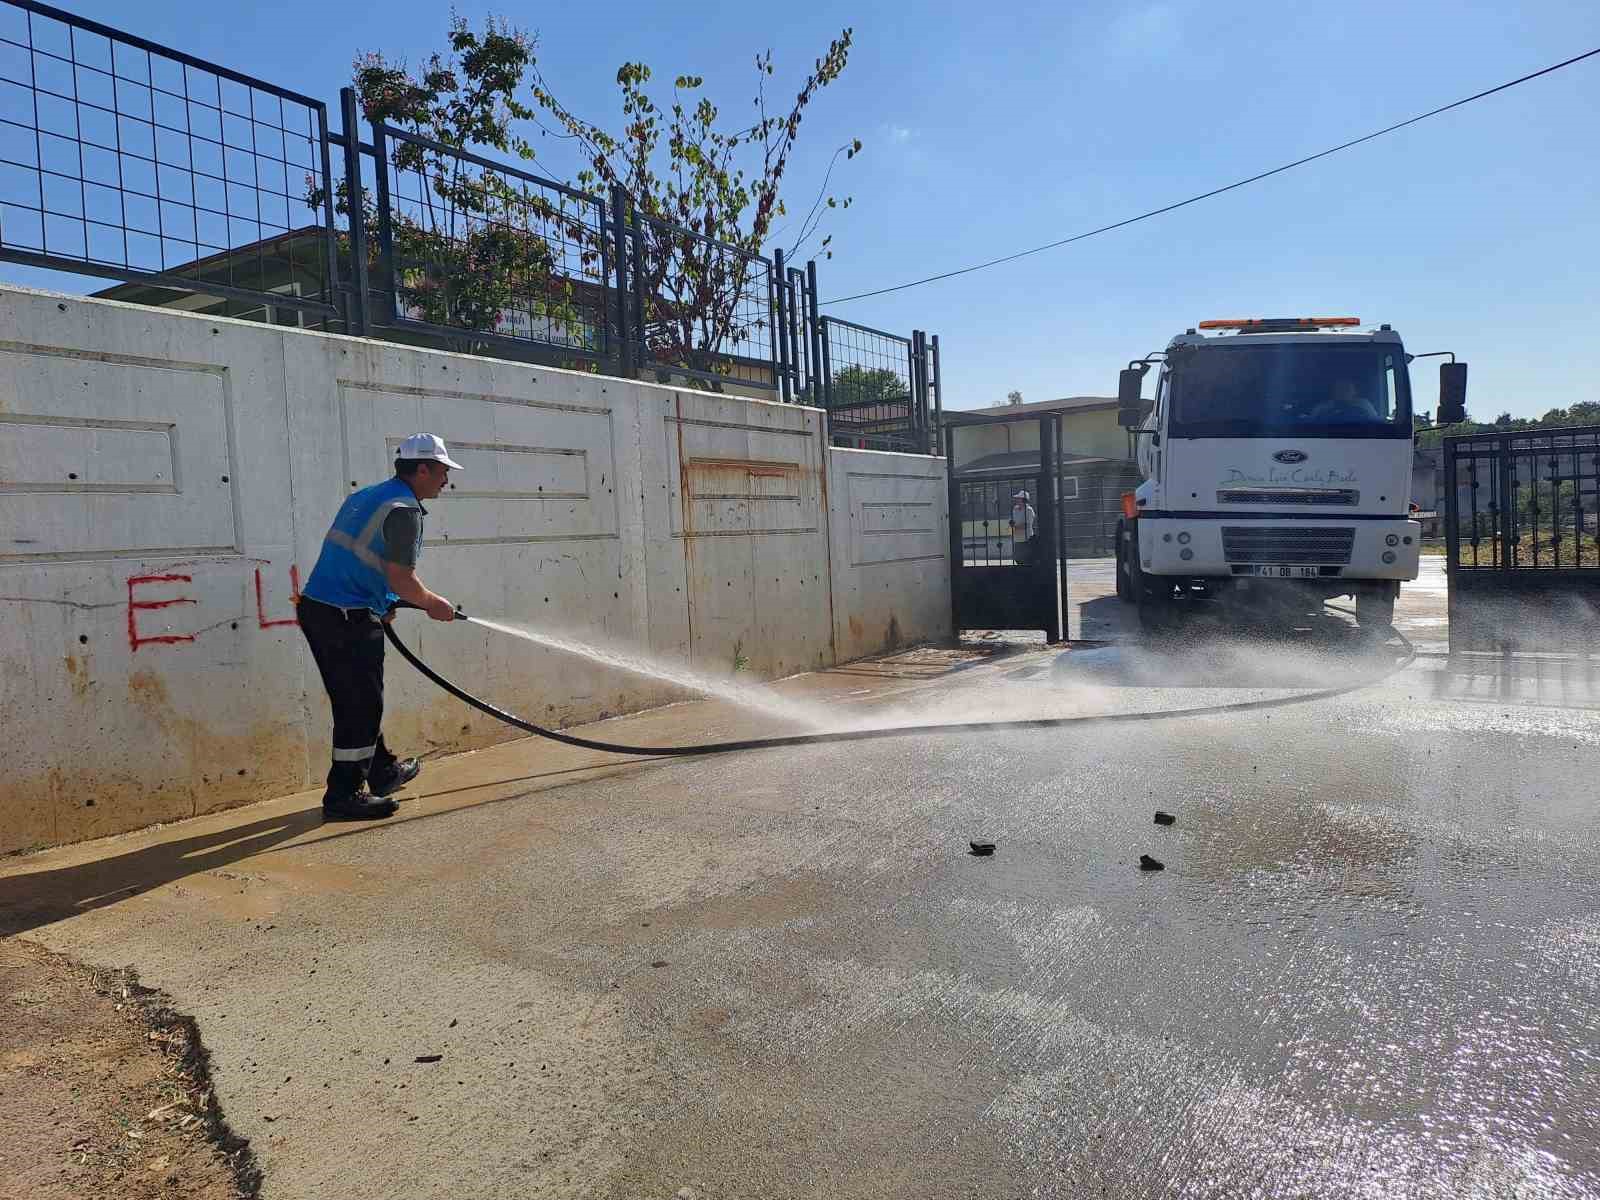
(1585, 412)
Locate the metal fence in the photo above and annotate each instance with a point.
(1526, 501)
(1522, 540)
(468, 245)
(1089, 499)
(878, 387)
(705, 309)
(986, 509)
(129, 160)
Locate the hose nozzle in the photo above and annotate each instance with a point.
(460, 612)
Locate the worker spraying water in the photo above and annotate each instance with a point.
(368, 564)
(367, 570)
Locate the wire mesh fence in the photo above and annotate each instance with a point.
(195, 184)
(702, 308)
(126, 159)
(867, 387)
(475, 246)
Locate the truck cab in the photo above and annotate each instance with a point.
(1276, 456)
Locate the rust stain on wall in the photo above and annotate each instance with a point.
(686, 521)
(149, 691)
(78, 676)
(742, 479)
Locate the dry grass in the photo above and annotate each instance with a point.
(1571, 551)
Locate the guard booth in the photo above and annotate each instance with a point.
(1001, 578)
(1522, 539)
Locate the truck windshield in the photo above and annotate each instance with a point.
(1264, 390)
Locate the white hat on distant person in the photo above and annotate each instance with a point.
(1020, 496)
(426, 447)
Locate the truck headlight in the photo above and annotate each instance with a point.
(1388, 556)
(1186, 555)
(1392, 540)
(1183, 539)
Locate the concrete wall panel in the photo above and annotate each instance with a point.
(166, 481)
(890, 556)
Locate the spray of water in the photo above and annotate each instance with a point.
(1114, 679)
(751, 697)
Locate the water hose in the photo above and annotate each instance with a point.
(863, 735)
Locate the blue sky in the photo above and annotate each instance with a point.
(990, 129)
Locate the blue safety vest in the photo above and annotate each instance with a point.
(350, 570)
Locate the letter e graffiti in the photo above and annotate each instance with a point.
(136, 606)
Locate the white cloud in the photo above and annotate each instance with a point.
(898, 135)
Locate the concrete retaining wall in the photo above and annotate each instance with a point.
(889, 549)
(165, 481)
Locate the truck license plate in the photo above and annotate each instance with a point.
(1289, 572)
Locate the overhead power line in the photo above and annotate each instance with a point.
(1166, 208)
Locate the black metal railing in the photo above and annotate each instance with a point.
(796, 310)
(125, 159)
(1523, 501)
(877, 386)
(468, 246)
(702, 308)
(988, 538)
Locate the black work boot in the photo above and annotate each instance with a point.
(356, 806)
(386, 783)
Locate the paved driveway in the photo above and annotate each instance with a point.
(1368, 969)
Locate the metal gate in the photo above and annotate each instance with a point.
(1522, 539)
(1001, 578)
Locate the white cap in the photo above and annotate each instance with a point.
(426, 447)
(1020, 496)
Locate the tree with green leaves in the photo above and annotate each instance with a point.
(868, 385)
(704, 198)
(473, 248)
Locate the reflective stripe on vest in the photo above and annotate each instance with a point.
(350, 571)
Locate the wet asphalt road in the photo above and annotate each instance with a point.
(1371, 967)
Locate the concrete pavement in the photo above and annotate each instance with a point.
(1367, 970)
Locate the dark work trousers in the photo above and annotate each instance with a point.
(348, 648)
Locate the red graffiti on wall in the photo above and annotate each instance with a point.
(135, 607)
(294, 597)
(137, 603)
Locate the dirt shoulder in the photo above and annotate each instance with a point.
(106, 1090)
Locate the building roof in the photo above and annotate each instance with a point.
(1038, 408)
(280, 249)
(1026, 462)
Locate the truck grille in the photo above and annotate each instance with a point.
(1343, 496)
(1266, 544)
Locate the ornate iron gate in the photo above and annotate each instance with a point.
(1522, 538)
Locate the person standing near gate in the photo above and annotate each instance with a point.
(1024, 524)
(368, 562)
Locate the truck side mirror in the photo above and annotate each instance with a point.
(1452, 393)
(1130, 405)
